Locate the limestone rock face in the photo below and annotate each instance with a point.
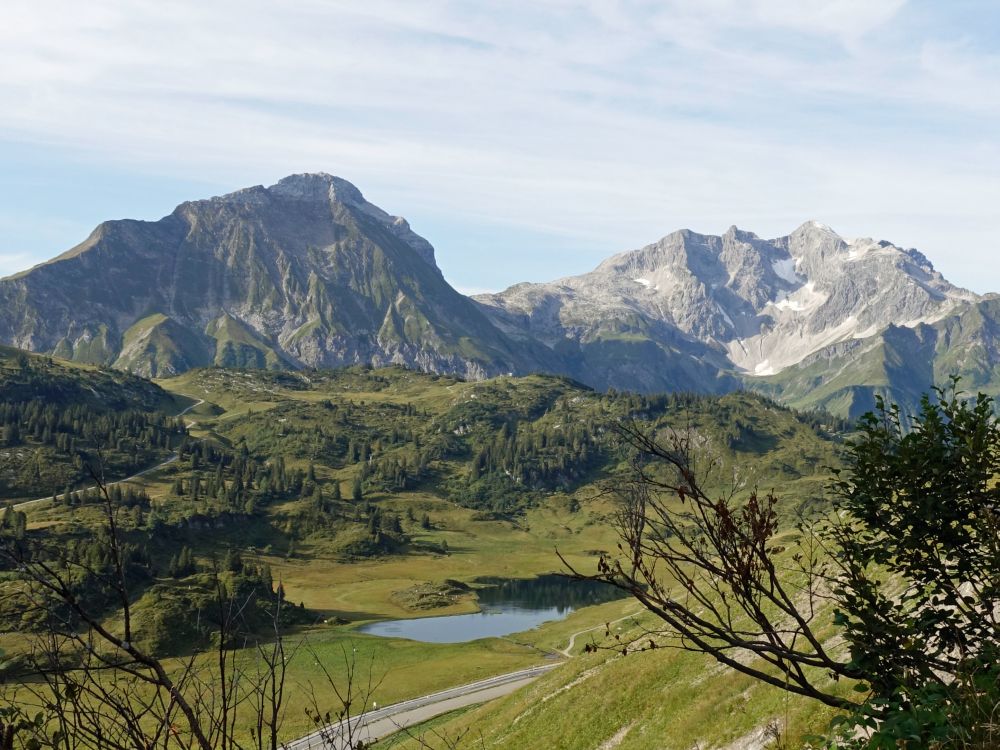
(309, 273)
(747, 306)
(303, 273)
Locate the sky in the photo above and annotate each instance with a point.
(525, 140)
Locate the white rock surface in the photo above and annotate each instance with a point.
(765, 304)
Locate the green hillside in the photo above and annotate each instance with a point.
(58, 420)
(900, 364)
(497, 446)
(372, 494)
(668, 699)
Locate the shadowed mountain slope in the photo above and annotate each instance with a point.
(303, 273)
(307, 273)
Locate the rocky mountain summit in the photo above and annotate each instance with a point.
(309, 273)
(749, 307)
(303, 273)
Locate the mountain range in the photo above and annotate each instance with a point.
(307, 273)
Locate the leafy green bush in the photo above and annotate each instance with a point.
(918, 546)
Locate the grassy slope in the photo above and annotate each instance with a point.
(238, 346)
(786, 454)
(73, 382)
(666, 698)
(32, 469)
(785, 451)
(900, 364)
(671, 694)
(157, 344)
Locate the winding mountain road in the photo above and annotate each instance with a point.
(383, 722)
(388, 720)
(170, 460)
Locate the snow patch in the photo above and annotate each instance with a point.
(804, 298)
(645, 282)
(764, 368)
(766, 354)
(785, 268)
(787, 304)
(859, 248)
(918, 321)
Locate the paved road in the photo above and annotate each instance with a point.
(388, 720)
(170, 460)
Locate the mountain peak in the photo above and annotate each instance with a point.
(307, 271)
(740, 235)
(308, 186)
(768, 304)
(315, 191)
(318, 186)
(303, 272)
(812, 226)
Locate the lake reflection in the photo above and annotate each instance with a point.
(508, 606)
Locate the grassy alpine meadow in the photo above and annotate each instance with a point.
(519, 548)
(360, 495)
(387, 670)
(399, 669)
(664, 697)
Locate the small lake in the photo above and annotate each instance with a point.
(508, 606)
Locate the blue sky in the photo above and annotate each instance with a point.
(525, 140)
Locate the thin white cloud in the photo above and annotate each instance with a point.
(614, 121)
(846, 19)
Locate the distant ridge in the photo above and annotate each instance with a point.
(810, 317)
(307, 273)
